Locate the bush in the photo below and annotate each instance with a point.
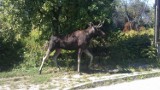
(11, 53)
(33, 51)
(117, 47)
(131, 46)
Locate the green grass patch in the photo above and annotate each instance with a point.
(18, 73)
(31, 74)
(38, 79)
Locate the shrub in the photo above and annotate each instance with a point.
(118, 47)
(11, 53)
(32, 50)
(131, 46)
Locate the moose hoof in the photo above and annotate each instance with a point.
(40, 72)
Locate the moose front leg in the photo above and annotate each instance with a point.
(44, 58)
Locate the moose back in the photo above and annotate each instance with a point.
(78, 40)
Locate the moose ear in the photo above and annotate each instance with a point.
(90, 24)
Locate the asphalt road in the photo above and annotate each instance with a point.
(145, 84)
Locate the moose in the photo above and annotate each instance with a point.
(78, 40)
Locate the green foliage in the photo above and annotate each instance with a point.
(52, 16)
(131, 46)
(11, 54)
(33, 50)
(149, 52)
(30, 23)
(25, 25)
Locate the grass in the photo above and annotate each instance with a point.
(52, 78)
(53, 72)
(31, 75)
(16, 73)
(36, 79)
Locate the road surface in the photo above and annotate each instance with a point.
(145, 84)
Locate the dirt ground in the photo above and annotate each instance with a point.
(51, 80)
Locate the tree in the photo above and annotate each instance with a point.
(135, 11)
(31, 22)
(53, 16)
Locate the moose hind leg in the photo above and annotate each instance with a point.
(56, 54)
(91, 57)
(44, 58)
(79, 59)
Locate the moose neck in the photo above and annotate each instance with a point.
(90, 31)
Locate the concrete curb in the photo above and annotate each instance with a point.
(115, 79)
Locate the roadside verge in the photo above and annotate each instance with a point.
(119, 78)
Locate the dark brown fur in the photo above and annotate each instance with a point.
(78, 40)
